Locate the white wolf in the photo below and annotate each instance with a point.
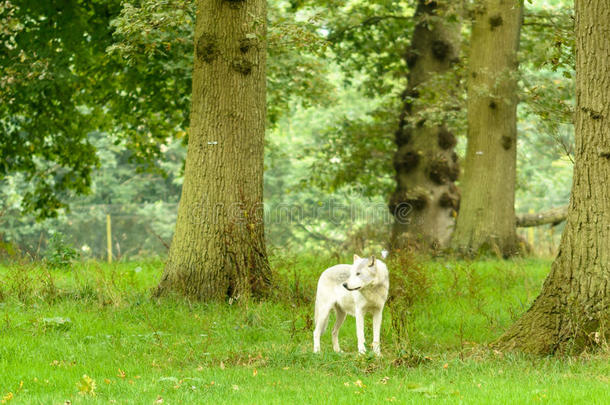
(352, 289)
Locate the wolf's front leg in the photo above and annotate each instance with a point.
(377, 330)
(360, 330)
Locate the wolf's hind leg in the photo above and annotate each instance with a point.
(321, 323)
(340, 318)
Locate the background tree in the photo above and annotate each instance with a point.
(218, 249)
(426, 199)
(487, 212)
(574, 306)
(130, 79)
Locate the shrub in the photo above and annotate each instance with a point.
(60, 253)
(409, 283)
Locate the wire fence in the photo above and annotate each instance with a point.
(144, 230)
(136, 230)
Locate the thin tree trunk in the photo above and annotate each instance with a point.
(487, 213)
(426, 200)
(573, 310)
(218, 248)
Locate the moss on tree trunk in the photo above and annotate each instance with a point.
(218, 249)
(487, 212)
(573, 310)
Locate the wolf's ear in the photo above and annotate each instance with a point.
(372, 261)
(356, 258)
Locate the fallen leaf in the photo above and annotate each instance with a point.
(384, 380)
(446, 365)
(121, 374)
(254, 373)
(222, 365)
(7, 398)
(107, 381)
(159, 400)
(86, 385)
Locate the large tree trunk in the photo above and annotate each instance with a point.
(573, 309)
(426, 200)
(218, 248)
(487, 212)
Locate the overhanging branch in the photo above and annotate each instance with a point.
(553, 216)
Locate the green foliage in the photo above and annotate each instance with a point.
(546, 131)
(60, 254)
(96, 99)
(155, 39)
(303, 214)
(70, 69)
(363, 34)
(369, 39)
(142, 205)
(50, 63)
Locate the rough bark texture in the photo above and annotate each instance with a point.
(426, 200)
(218, 248)
(553, 216)
(573, 309)
(487, 212)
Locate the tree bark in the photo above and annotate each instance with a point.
(573, 310)
(218, 249)
(487, 213)
(426, 200)
(553, 216)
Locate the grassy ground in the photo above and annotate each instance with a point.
(93, 329)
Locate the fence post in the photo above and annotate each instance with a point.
(109, 237)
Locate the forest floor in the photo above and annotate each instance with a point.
(93, 334)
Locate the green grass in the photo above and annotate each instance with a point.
(99, 320)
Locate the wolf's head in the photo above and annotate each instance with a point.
(362, 273)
